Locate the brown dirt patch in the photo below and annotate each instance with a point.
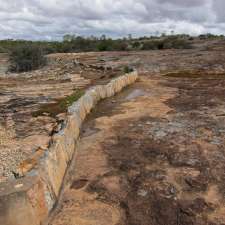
(157, 158)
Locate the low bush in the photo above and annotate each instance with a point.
(128, 69)
(176, 43)
(152, 45)
(26, 57)
(136, 45)
(172, 42)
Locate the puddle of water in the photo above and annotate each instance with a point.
(135, 93)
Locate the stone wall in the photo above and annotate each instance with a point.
(29, 200)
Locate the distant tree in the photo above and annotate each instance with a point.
(69, 37)
(105, 45)
(72, 43)
(103, 37)
(93, 38)
(207, 36)
(136, 44)
(130, 37)
(157, 33)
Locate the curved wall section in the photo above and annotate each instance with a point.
(29, 200)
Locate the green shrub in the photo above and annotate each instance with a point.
(176, 43)
(172, 42)
(136, 45)
(120, 45)
(128, 69)
(26, 57)
(105, 45)
(152, 45)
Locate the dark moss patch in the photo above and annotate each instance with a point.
(60, 106)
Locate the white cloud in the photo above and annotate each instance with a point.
(44, 19)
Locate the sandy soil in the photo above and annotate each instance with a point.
(152, 155)
(30, 104)
(184, 111)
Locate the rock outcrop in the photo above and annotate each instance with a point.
(28, 200)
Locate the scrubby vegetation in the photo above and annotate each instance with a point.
(128, 69)
(28, 55)
(172, 42)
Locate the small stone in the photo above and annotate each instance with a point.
(160, 134)
(18, 186)
(142, 193)
(46, 114)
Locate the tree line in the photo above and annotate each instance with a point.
(28, 55)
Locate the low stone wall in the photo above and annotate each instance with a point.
(29, 200)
